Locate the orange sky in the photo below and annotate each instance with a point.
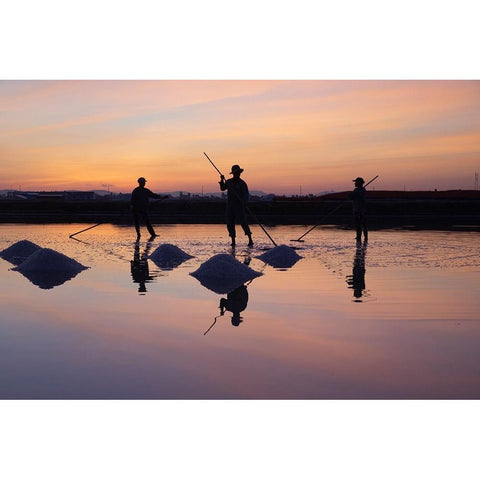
(315, 134)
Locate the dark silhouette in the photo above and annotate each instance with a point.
(19, 251)
(356, 281)
(358, 197)
(235, 302)
(139, 206)
(48, 268)
(237, 199)
(139, 267)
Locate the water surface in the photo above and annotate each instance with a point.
(395, 318)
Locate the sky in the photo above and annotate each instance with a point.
(307, 136)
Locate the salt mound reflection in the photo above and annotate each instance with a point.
(19, 251)
(48, 268)
(168, 256)
(223, 273)
(281, 256)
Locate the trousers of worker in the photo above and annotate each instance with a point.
(236, 214)
(361, 224)
(142, 215)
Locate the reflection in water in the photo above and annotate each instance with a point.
(303, 338)
(236, 302)
(46, 280)
(139, 267)
(356, 281)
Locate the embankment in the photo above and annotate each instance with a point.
(392, 210)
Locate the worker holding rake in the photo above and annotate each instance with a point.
(139, 206)
(237, 198)
(359, 208)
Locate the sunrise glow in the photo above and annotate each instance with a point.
(312, 136)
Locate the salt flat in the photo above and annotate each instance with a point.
(394, 318)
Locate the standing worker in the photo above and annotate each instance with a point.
(358, 197)
(139, 206)
(237, 199)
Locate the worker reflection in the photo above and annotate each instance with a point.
(139, 267)
(356, 281)
(236, 302)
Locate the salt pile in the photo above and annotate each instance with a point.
(281, 256)
(168, 256)
(223, 273)
(19, 251)
(47, 268)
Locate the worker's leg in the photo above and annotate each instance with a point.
(231, 224)
(137, 223)
(358, 226)
(242, 219)
(150, 229)
(365, 228)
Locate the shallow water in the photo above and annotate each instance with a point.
(397, 318)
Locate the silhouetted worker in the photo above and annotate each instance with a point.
(237, 199)
(356, 281)
(139, 267)
(139, 206)
(235, 302)
(358, 197)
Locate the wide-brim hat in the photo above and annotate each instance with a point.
(236, 169)
(359, 180)
(236, 319)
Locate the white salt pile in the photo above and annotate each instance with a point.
(223, 273)
(19, 251)
(47, 268)
(168, 256)
(281, 256)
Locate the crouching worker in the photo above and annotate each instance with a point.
(139, 206)
(237, 198)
